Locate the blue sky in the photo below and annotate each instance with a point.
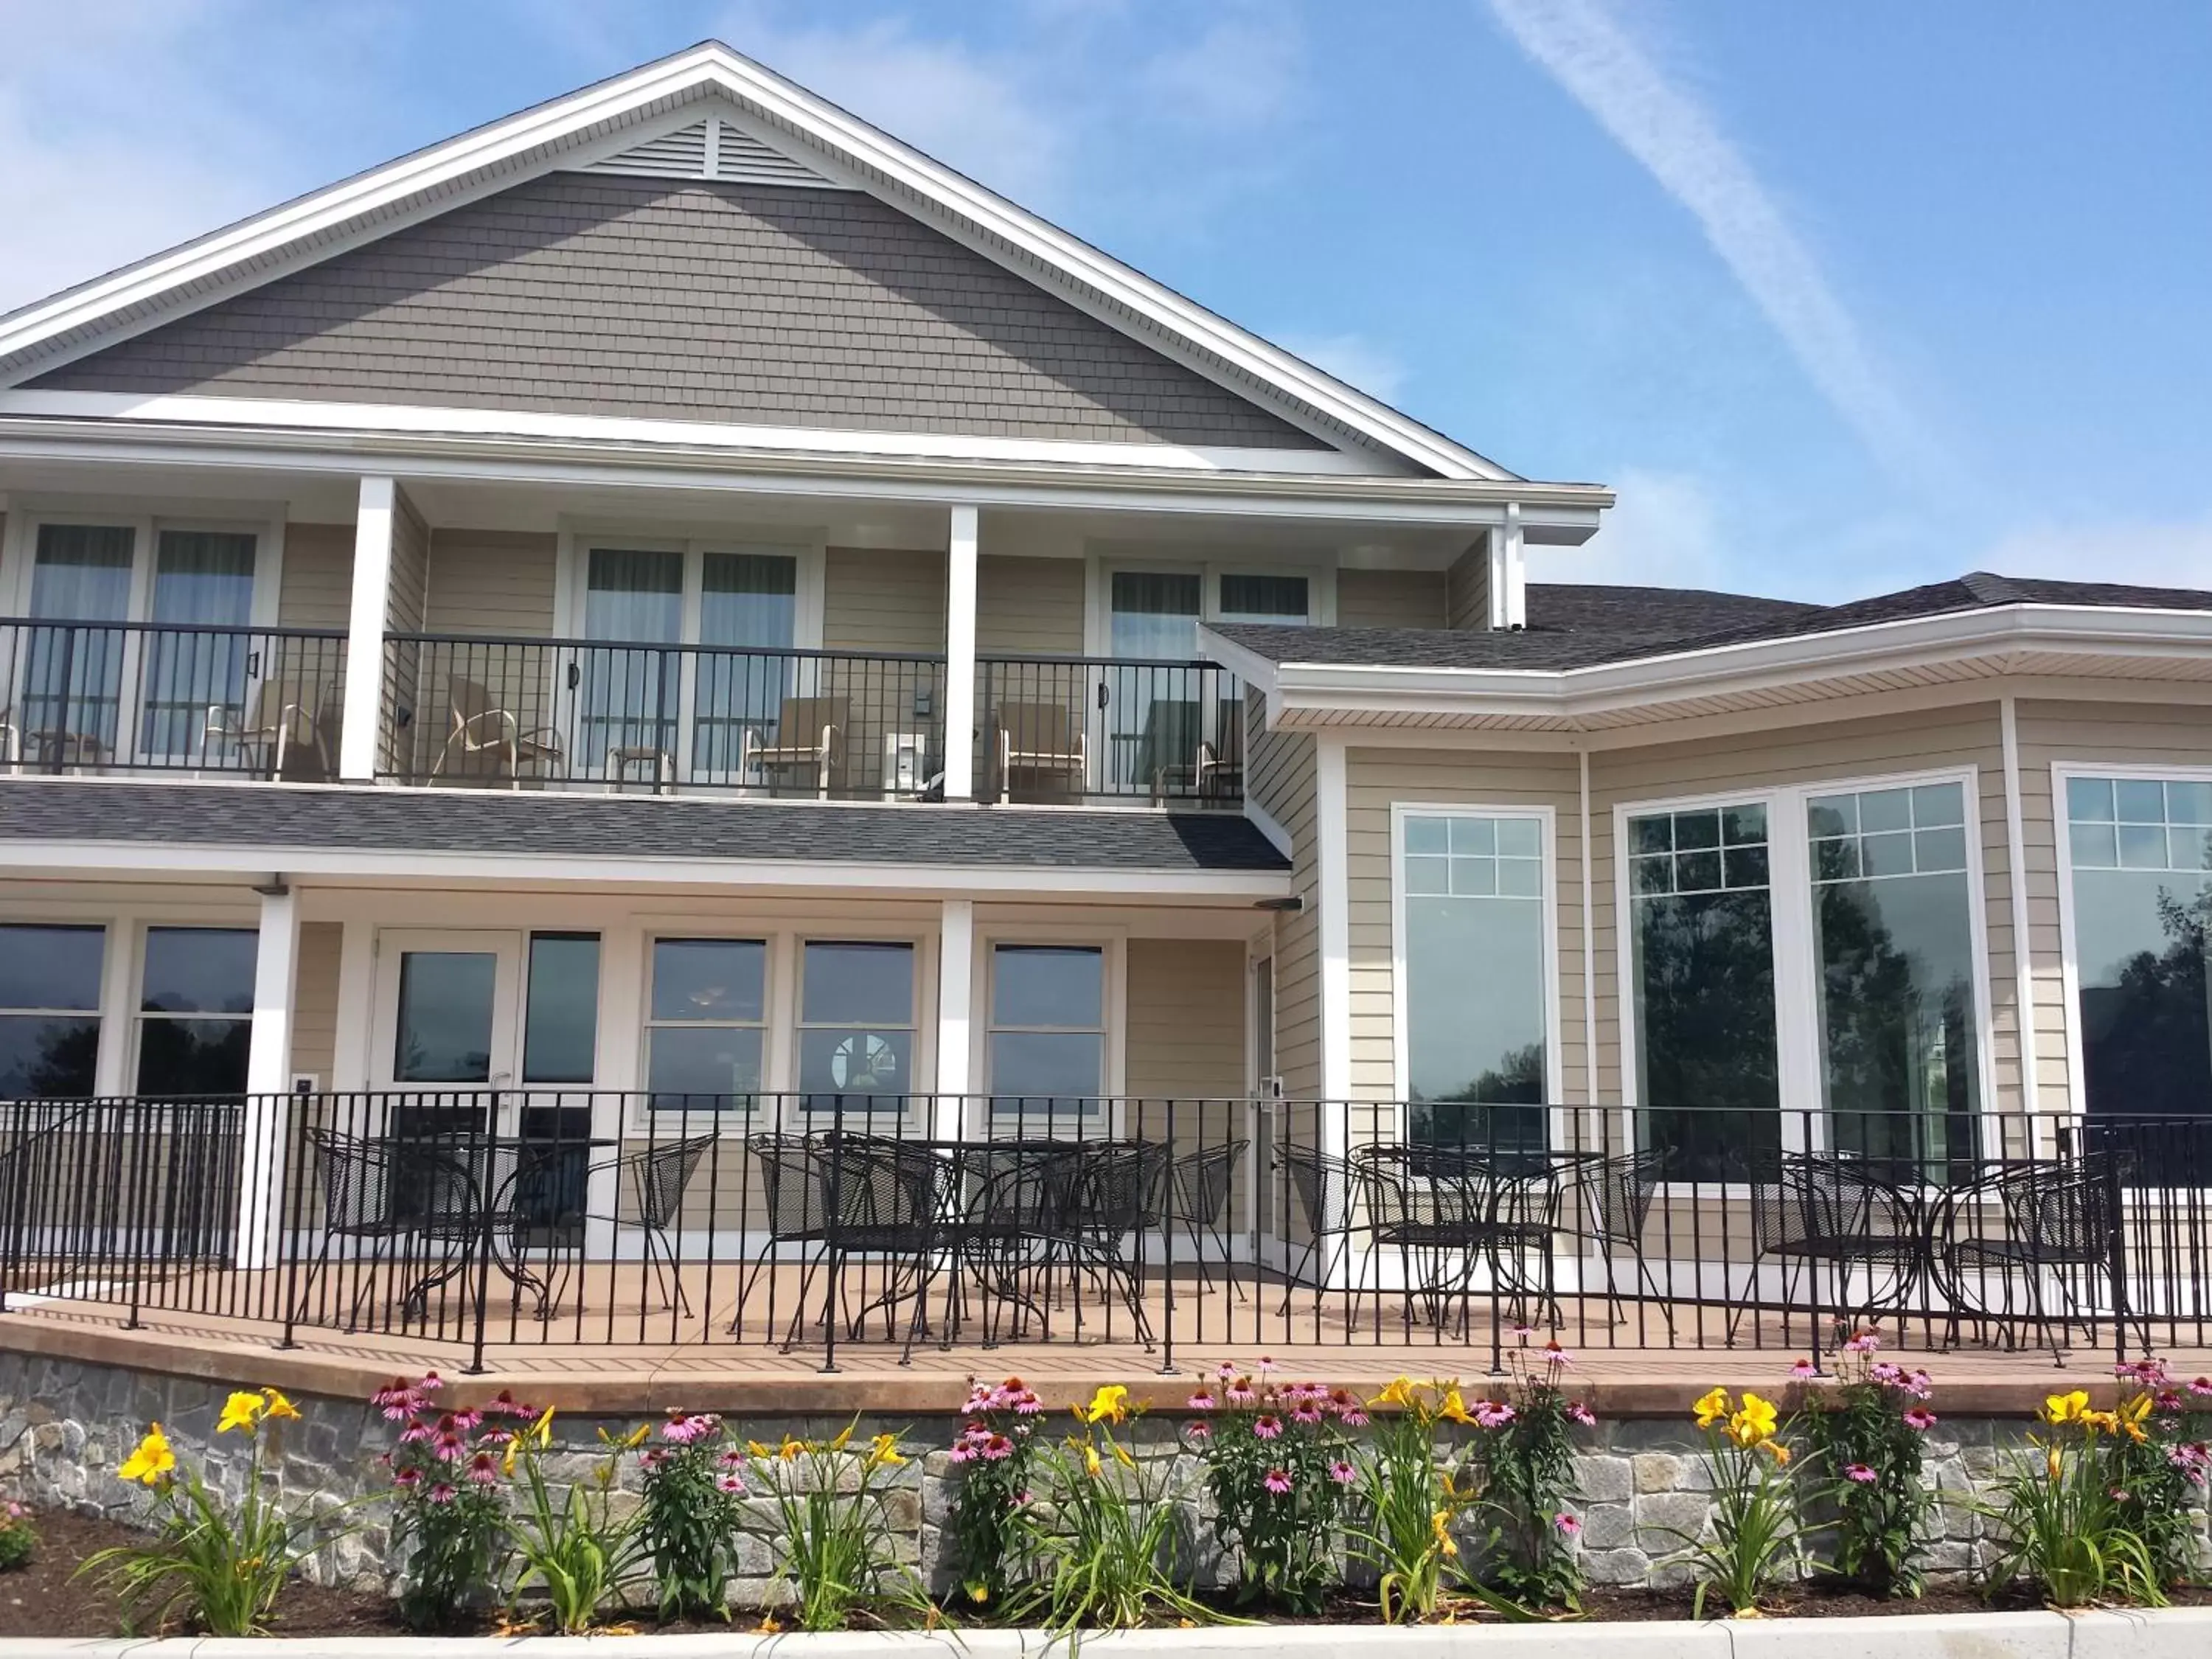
(1840, 298)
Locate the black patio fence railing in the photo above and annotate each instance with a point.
(827, 1224)
(1071, 729)
(641, 718)
(170, 697)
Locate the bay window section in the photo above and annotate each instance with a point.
(706, 1017)
(196, 1011)
(1893, 924)
(1701, 921)
(2141, 856)
(856, 1025)
(1047, 1030)
(1476, 964)
(50, 1011)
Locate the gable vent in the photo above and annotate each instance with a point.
(712, 149)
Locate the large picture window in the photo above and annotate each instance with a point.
(2141, 853)
(50, 1011)
(705, 1023)
(856, 1020)
(1701, 922)
(196, 1011)
(1048, 1040)
(1476, 966)
(1893, 922)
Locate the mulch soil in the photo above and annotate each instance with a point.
(44, 1598)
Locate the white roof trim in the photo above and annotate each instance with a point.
(304, 415)
(98, 312)
(1307, 694)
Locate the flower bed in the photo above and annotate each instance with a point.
(1263, 1499)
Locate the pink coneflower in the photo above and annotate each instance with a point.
(1804, 1370)
(1556, 1355)
(1026, 1404)
(396, 1401)
(482, 1470)
(1267, 1425)
(1240, 1392)
(1578, 1413)
(1864, 1342)
(447, 1447)
(732, 1459)
(728, 1483)
(504, 1404)
(2169, 1400)
(1202, 1398)
(430, 1382)
(1920, 1418)
(415, 1432)
(1492, 1413)
(2201, 1385)
(1919, 1385)
(1883, 1371)
(1342, 1472)
(496, 1437)
(1267, 1364)
(684, 1430)
(2119, 1494)
(1568, 1526)
(1198, 1431)
(443, 1492)
(1277, 1481)
(998, 1446)
(1306, 1413)
(981, 1399)
(1860, 1472)
(1225, 1371)
(652, 1459)
(407, 1480)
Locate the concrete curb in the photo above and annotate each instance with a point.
(2162, 1633)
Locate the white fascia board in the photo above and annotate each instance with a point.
(1352, 501)
(499, 154)
(301, 416)
(1320, 689)
(144, 861)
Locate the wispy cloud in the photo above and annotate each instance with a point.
(1242, 72)
(1352, 358)
(1582, 46)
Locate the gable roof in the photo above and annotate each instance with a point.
(663, 98)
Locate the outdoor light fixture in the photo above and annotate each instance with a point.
(1289, 907)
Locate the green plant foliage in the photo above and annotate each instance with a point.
(836, 1534)
(991, 1521)
(449, 1521)
(1755, 1526)
(2062, 1519)
(575, 1546)
(1413, 1492)
(1870, 1432)
(1278, 1467)
(1525, 1454)
(694, 1485)
(19, 1539)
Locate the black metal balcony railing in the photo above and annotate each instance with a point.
(660, 719)
(129, 697)
(1076, 728)
(478, 1218)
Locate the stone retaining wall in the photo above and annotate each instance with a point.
(65, 1425)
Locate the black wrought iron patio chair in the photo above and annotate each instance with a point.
(1195, 1202)
(2059, 1221)
(1610, 1205)
(1116, 1190)
(1327, 1188)
(655, 1178)
(793, 1199)
(1811, 1211)
(359, 1181)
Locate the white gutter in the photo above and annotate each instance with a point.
(1569, 696)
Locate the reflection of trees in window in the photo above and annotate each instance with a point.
(51, 1059)
(1500, 1107)
(1706, 1027)
(2147, 1039)
(1900, 1053)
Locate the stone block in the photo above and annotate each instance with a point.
(1658, 1472)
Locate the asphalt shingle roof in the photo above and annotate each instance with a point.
(1582, 627)
(534, 824)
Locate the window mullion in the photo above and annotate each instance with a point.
(1796, 996)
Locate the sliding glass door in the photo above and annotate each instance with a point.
(629, 697)
(203, 578)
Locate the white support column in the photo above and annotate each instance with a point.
(268, 1081)
(1508, 572)
(960, 658)
(956, 983)
(1333, 861)
(375, 522)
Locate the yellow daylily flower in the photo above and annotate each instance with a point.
(2066, 1407)
(152, 1462)
(2129, 1418)
(790, 1449)
(1754, 1423)
(279, 1407)
(1777, 1451)
(1442, 1532)
(845, 1435)
(241, 1411)
(883, 1452)
(1109, 1405)
(1454, 1409)
(1713, 1407)
(1092, 1465)
(541, 1431)
(1122, 1457)
(754, 1449)
(1398, 1393)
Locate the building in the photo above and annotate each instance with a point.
(675, 602)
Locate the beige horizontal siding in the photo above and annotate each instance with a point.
(1378, 778)
(1838, 752)
(317, 587)
(1185, 1019)
(411, 566)
(1029, 607)
(2080, 733)
(315, 1000)
(874, 600)
(1467, 589)
(493, 582)
(1391, 599)
(1280, 780)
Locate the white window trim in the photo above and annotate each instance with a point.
(137, 1015)
(145, 522)
(2062, 829)
(921, 1070)
(642, 1115)
(576, 540)
(1547, 821)
(100, 1011)
(1114, 991)
(1098, 589)
(1797, 1037)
